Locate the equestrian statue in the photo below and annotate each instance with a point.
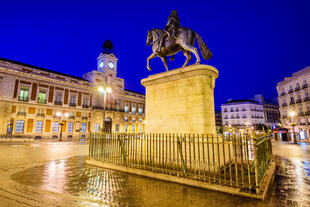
(172, 39)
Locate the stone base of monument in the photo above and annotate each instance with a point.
(181, 100)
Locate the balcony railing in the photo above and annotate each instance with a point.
(58, 102)
(72, 104)
(40, 114)
(71, 117)
(307, 99)
(98, 107)
(85, 106)
(301, 114)
(291, 91)
(284, 104)
(304, 86)
(23, 98)
(42, 101)
(21, 113)
(303, 124)
(283, 94)
(84, 117)
(292, 102)
(307, 113)
(298, 101)
(297, 89)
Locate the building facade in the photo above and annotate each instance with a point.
(39, 103)
(294, 102)
(271, 110)
(242, 114)
(218, 120)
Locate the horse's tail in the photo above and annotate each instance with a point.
(206, 53)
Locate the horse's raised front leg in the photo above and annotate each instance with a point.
(188, 57)
(192, 49)
(154, 54)
(164, 59)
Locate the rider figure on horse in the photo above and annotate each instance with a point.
(171, 28)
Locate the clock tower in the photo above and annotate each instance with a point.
(107, 62)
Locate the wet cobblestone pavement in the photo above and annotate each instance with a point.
(70, 182)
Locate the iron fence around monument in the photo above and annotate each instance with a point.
(237, 161)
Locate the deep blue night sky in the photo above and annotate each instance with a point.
(255, 44)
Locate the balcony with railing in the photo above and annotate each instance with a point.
(291, 91)
(40, 114)
(284, 104)
(297, 88)
(298, 100)
(84, 117)
(58, 103)
(307, 99)
(41, 100)
(302, 123)
(307, 113)
(292, 102)
(301, 114)
(23, 98)
(283, 94)
(72, 104)
(21, 113)
(98, 107)
(71, 117)
(85, 106)
(304, 86)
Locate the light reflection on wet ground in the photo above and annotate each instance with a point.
(73, 176)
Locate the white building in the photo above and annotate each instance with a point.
(242, 113)
(294, 99)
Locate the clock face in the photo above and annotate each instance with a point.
(111, 65)
(101, 64)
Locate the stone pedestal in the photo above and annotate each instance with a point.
(181, 100)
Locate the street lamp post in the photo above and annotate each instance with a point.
(292, 114)
(103, 90)
(61, 116)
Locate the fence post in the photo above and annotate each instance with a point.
(256, 165)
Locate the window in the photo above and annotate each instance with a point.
(42, 96)
(125, 127)
(97, 127)
(55, 126)
(133, 119)
(133, 109)
(73, 98)
(116, 127)
(126, 108)
(58, 96)
(85, 100)
(83, 127)
(20, 126)
(140, 110)
(70, 127)
(126, 118)
(140, 120)
(140, 128)
(39, 125)
(133, 128)
(23, 95)
(71, 114)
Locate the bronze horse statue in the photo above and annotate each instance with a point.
(184, 40)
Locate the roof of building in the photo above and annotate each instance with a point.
(134, 92)
(241, 101)
(43, 69)
(295, 75)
